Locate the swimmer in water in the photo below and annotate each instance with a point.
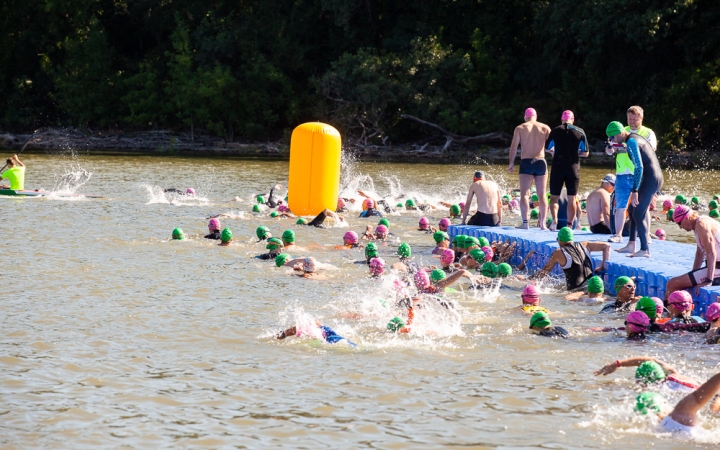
(350, 240)
(540, 324)
(263, 233)
(275, 246)
(424, 225)
(712, 336)
(473, 260)
(405, 265)
(595, 292)
(322, 332)
(214, 228)
(271, 201)
(288, 240)
(225, 237)
(652, 371)
(178, 234)
(412, 205)
(680, 304)
(442, 240)
(188, 191)
(626, 298)
(444, 224)
(309, 269)
(447, 258)
(371, 251)
(377, 267)
(531, 300)
(370, 209)
(319, 220)
(637, 324)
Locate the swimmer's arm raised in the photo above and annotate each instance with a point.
(603, 247)
(630, 362)
(685, 411)
(522, 265)
(453, 278)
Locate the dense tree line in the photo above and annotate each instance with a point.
(253, 69)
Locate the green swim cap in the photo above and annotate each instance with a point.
(256, 208)
(484, 242)
(440, 236)
(489, 270)
(565, 235)
(301, 221)
(404, 250)
(260, 199)
(583, 206)
(540, 319)
(534, 214)
(288, 236)
(262, 232)
(648, 306)
(680, 199)
(385, 222)
(714, 214)
(713, 204)
(534, 198)
(477, 254)
(622, 281)
(614, 128)
(395, 324)
(410, 203)
(371, 250)
(695, 200)
(504, 270)
(669, 214)
(585, 228)
(178, 234)
(281, 259)
(548, 221)
(471, 240)
(455, 210)
(399, 205)
(646, 402)
(226, 235)
(595, 285)
(274, 214)
(273, 243)
(459, 240)
(506, 198)
(437, 275)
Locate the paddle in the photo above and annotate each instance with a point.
(23, 147)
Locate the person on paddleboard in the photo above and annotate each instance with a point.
(15, 174)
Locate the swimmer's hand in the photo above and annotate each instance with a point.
(511, 168)
(634, 199)
(608, 369)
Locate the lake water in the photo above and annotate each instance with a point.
(111, 335)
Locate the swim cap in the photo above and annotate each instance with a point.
(283, 208)
(669, 214)
(288, 236)
(659, 306)
(440, 236)
(385, 222)
(381, 230)
(471, 241)
(565, 235)
(489, 254)
(646, 402)
(273, 243)
(649, 372)
(513, 204)
(256, 208)
(489, 270)
(585, 229)
(534, 214)
(484, 242)
(713, 204)
(504, 270)
(680, 213)
(534, 198)
(281, 259)
(371, 250)
(444, 223)
(461, 205)
(567, 115)
(530, 112)
(647, 305)
(340, 203)
(399, 205)
(404, 250)
(422, 280)
(540, 319)
(595, 285)
(713, 312)
(308, 264)
(695, 200)
(190, 191)
(395, 324)
(214, 225)
(351, 237)
(622, 281)
(680, 199)
(260, 199)
(459, 240)
(681, 300)
(548, 221)
(437, 275)
(660, 233)
(368, 203)
(714, 213)
(377, 266)
(477, 254)
(614, 128)
(274, 214)
(178, 234)
(262, 232)
(506, 198)
(226, 235)
(530, 294)
(667, 204)
(423, 223)
(447, 256)
(301, 221)
(637, 321)
(410, 203)
(583, 206)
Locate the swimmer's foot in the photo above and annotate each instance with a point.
(542, 225)
(630, 248)
(523, 226)
(640, 254)
(553, 226)
(615, 239)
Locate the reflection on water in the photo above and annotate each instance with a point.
(113, 335)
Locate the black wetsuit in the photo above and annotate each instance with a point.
(387, 208)
(271, 202)
(214, 235)
(648, 180)
(568, 140)
(580, 268)
(370, 212)
(554, 332)
(271, 255)
(616, 306)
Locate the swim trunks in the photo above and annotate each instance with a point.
(484, 220)
(623, 189)
(536, 167)
(670, 425)
(700, 275)
(600, 228)
(568, 176)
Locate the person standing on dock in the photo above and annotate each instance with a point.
(489, 202)
(567, 143)
(598, 206)
(15, 174)
(647, 181)
(531, 137)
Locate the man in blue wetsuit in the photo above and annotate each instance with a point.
(567, 143)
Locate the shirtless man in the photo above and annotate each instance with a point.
(707, 235)
(531, 136)
(598, 206)
(489, 203)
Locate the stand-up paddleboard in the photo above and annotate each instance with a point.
(39, 193)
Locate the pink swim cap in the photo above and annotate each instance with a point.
(283, 208)
(659, 306)
(368, 203)
(637, 321)
(381, 230)
(567, 115)
(351, 237)
(681, 300)
(377, 266)
(214, 225)
(713, 312)
(660, 233)
(444, 224)
(530, 112)
(681, 212)
(190, 191)
(422, 279)
(531, 294)
(513, 204)
(667, 204)
(489, 254)
(462, 205)
(400, 289)
(341, 203)
(447, 256)
(424, 223)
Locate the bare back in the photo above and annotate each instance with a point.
(598, 207)
(487, 194)
(531, 137)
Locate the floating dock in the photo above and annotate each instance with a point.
(669, 259)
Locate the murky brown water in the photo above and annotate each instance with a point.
(113, 336)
